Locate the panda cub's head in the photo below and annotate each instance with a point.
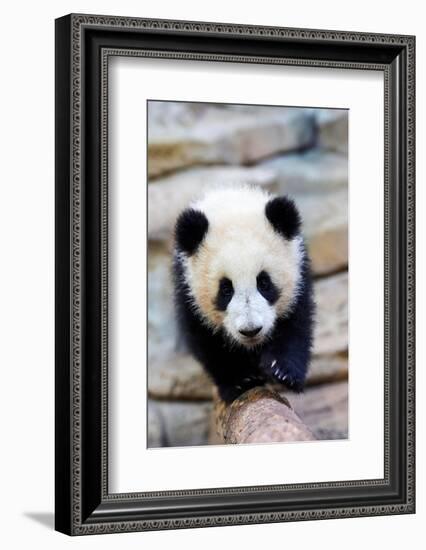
(241, 255)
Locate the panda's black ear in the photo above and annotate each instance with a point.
(191, 228)
(283, 216)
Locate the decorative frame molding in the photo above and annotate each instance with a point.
(84, 43)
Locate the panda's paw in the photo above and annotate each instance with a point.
(283, 371)
(230, 392)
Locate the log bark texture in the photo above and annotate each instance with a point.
(260, 415)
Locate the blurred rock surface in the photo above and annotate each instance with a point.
(161, 315)
(325, 226)
(181, 136)
(331, 324)
(156, 435)
(177, 424)
(314, 171)
(178, 376)
(324, 409)
(333, 129)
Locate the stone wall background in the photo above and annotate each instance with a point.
(298, 151)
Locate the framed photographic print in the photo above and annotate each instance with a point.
(234, 274)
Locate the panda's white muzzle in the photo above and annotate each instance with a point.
(249, 317)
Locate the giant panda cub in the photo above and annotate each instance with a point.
(243, 289)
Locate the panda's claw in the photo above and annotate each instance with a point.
(282, 371)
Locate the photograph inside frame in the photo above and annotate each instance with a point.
(247, 274)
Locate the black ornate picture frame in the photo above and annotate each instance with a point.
(84, 44)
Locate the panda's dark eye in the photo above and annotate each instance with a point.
(263, 281)
(224, 294)
(267, 288)
(225, 287)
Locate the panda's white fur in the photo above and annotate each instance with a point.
(239, 244)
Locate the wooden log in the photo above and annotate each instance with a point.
(259, 415)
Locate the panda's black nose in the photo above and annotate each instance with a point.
(251, 333)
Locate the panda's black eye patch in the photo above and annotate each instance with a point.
(224, 294)
(267, 288)
(226, 287)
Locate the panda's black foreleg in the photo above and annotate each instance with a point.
(230, 391)
(232, 379)
(285, 358)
